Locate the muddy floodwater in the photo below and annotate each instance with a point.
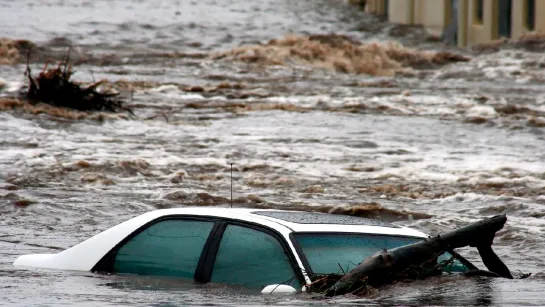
(377, 120)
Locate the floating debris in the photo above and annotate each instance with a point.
(54, 87)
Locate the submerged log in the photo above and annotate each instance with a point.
(399, 263)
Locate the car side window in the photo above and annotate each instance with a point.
(252, 258)
(166, 248)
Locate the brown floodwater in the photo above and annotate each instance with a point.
(318, 106)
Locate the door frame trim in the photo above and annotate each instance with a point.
(215, 244)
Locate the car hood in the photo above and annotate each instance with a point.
(36, 260)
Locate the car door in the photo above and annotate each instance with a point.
(173, 247)
(254, 257)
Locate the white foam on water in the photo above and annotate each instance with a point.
(170, 89)
(10, 86)
(536, 180)
(426, 105)
(482, 111)
(304, 101)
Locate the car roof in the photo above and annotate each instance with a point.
(298, 221)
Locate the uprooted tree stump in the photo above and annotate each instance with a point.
(418, 261)
(54, 87)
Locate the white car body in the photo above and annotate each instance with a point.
(85, 255)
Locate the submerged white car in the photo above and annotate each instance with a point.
(272, 250)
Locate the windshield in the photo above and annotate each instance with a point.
(337, 253)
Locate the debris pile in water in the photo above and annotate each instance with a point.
(321, 283)
(54, 87)
(341, 53)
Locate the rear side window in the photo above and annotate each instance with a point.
(166, 248)
(252, 258)
(335, 253)
(341, 252)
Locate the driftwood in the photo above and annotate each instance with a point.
(54, 87)
(418, 260)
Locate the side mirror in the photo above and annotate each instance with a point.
(278, 289)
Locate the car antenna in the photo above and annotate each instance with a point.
(231, 185)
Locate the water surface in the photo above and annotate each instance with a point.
(458, 143)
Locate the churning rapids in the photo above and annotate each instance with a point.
(310, 120)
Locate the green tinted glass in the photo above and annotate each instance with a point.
(450, 264)
(253, 259)
(328, 253)
(167, 248)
